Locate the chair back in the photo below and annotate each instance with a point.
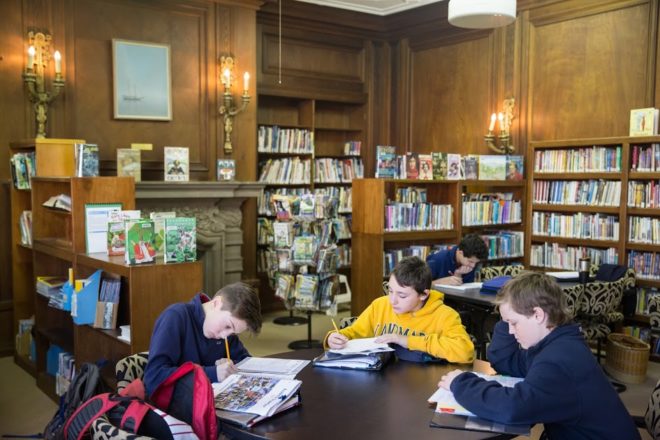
(652, 417)
(573, 296)
(130, 368)
(490, 272)
(602, 297)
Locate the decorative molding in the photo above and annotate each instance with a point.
(197, 190)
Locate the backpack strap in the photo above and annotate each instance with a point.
(135, 412)
(80, 421)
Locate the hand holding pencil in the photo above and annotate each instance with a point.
(336, 340)
(225, 367)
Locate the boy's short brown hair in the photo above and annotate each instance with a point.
(242, 301)
(413, 272)
(535, 289)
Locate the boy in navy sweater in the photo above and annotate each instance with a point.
(196, 332)
(456, 266)
(564, 387)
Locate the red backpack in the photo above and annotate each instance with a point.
(187, 394)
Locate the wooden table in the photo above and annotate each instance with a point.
(350, 404)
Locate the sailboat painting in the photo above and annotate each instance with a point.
(142, 84)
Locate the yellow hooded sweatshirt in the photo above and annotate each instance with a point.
(435, 328)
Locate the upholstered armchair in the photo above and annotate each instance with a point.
(490, 272)
(654, 312)
(599, 305)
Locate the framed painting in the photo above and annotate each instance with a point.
(141, 80)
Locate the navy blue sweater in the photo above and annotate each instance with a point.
(564, 388)
(178, 337)
(443, 264)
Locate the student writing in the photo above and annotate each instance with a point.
(411, 316)
(196, 331)
(564, 387)
(456, 266)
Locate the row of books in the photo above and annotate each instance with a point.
(271, 260)
(330, 170)
(273, 139)
(342, 193)
(411, 194)
(645, 158)
(642, 333)
(418, 217)
(646, 264)
(306, 207)
(391, 257)
(504, 244)
(352, 148)
(558, 256)
(493, 212)
(578, 225)
(446, 166)
(66, 371)
(578, 160)
(286, 171)
(25, 226)
(306, 291)
(644, 194)
(644, 295)
(23, 168)
(644, 230)
(577, 192)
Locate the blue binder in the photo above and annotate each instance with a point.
(492, 286)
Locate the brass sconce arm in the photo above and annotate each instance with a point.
(228, 112)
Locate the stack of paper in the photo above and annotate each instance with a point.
(360, 354)
(273, 367)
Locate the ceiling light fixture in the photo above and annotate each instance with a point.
(481, 14)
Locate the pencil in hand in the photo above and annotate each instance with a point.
(227, 349)
(334, 324)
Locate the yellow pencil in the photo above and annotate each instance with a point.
(334, 325)
(227, 348)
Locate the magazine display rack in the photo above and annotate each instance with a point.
(303, 259)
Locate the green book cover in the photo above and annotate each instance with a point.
(139, 242)
(180, 239)
(159, 224)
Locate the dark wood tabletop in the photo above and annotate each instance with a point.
(351, 404)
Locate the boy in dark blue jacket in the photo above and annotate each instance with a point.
(564, 387)
(196, 332)
(456, 266)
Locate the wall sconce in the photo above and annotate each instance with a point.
(227, 109)
(34, 77)
(504, 119)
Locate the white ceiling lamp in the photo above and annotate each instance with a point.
(481, 14)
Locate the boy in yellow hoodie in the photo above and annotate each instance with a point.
(412, 316)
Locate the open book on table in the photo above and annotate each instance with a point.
(359, 354)
(451, 414)
(246, 400)
(275, 367)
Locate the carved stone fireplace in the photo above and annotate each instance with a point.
(217, 208)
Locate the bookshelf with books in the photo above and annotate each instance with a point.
(60, 244)
(308, 146)
(24, 165)
(615, 205)
(494, 209)
(376, 229)
(576, 202)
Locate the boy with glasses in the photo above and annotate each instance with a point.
(411, 316)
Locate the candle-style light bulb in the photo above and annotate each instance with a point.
(31, 52)
(246, 82)
(58, 61)
(227, 75)
(491, 127)
(500, 120)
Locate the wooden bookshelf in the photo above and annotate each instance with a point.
(623, 209)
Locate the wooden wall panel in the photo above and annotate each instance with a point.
(450, 97)
(186, 31)
(585, 72)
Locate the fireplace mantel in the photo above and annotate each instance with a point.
(217, 208)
